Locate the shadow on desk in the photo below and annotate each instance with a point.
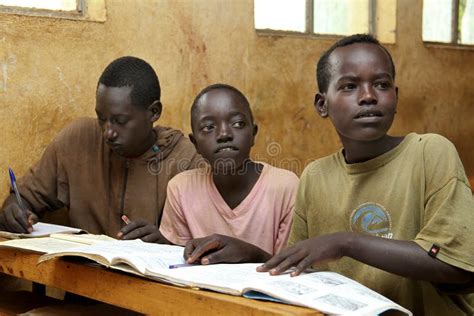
(17, 302)
(27, 303)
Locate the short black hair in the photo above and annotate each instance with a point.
(133, 72)
(323, 72)
(216, 86)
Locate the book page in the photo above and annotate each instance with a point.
(225, 278)
(42, 245)
(86, 239)
(41, 229)
(328, 292)
(136, 253)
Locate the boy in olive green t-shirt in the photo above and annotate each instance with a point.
(394, 213)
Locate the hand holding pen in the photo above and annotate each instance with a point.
(140, 228)
(16, 216)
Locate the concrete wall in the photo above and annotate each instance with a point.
(49, 70)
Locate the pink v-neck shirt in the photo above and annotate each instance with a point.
(194, 208)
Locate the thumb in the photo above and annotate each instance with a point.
(219, 256)
(32, 218)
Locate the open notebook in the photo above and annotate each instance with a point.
(41, 229)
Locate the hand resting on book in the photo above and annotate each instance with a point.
(222, 249)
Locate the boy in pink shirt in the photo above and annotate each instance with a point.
(234, 209)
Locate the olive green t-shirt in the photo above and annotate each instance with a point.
(417, 191)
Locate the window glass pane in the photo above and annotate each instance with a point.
(466, 22)
(437, 17)
(341, 17)
(286, 15)
(63, 5)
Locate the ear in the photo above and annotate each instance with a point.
(320, 104)
(396, 104)
(254, 133)
(193, 140)
(255, 129)
(155, 109)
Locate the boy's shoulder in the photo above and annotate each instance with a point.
(325, 163)
(278, 176)
(431, 140)
(173, 144)
(190, 178)
(277, 171)
(84, 131)
(80, 126)
(428, 147)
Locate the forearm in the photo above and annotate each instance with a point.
(404, 258)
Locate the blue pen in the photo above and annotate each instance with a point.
(15, 189)
(180, 265)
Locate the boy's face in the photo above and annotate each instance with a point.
(223, 131)
(127, 128)
(362, 97)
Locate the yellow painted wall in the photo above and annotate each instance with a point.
(49, 70)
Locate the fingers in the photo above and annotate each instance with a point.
(3, 227)
(133, 225)
(284, 261)
(153, 237)
(16, 220)
(189, 248)
(219, 256)
(202, 247)
(304, 264)
(274, 261)
(32, 218)
(137, 229)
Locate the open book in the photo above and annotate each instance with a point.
(327, 292)
(41, 229)
(56, 242)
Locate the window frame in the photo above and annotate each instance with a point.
(309, 25)
(86, 10)
(454, 32)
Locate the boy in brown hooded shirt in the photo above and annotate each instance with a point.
(117, 164)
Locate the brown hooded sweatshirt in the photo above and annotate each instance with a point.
(80, 172)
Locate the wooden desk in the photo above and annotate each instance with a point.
(134, 293)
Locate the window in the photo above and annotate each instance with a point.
(62, 5)
(328, 17)
(93, 10)
(448, 21)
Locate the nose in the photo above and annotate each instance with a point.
(110, 134)
(367, 95)
(224, 133)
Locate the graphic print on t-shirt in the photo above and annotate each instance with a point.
(373, 219)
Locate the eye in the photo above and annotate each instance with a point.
(101, 120)
(382, 85)
(238, 124)
(207, 128)
(348, 87)
(120, 121)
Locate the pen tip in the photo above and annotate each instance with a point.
(12, 175)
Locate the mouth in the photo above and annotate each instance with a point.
(226, 149)
(114, 146)
(368, 114)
